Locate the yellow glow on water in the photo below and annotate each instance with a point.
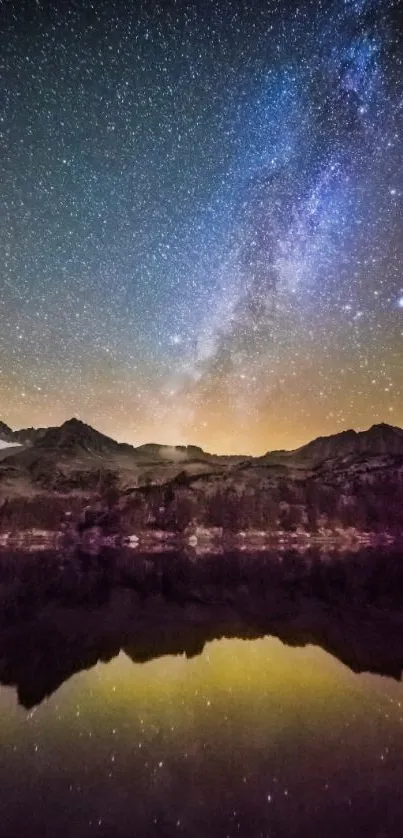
(252, 727)
(224, 665)
(252, 680)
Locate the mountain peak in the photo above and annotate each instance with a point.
(76, 425)
(73, 421)
(74, 436)
(384, 427)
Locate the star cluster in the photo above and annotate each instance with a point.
(202, 229)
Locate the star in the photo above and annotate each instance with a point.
(202, 220)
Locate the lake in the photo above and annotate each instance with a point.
(129, 710)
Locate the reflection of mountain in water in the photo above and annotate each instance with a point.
(51, 630)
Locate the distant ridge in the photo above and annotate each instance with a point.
(378, 439)
(74, 436)
(21, 437)
(26, 436)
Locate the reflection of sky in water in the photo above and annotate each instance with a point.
(250, 738)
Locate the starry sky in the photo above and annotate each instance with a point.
(201, 230)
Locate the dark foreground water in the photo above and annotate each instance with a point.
(131, 710)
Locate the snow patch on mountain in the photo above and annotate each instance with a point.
(4, 444)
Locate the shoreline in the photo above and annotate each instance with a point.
(205, 540)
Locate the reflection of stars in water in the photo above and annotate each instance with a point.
(256, 760)
(192, 200)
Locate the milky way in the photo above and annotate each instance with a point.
(202, 237)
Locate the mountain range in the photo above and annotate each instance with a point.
(351, 479)
(74, 437)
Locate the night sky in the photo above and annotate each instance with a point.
(201, 234)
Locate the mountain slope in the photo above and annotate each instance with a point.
(27, 436)
(75, 437)
(379, 439)
(6, 434)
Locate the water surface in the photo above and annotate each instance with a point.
(124, 714)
